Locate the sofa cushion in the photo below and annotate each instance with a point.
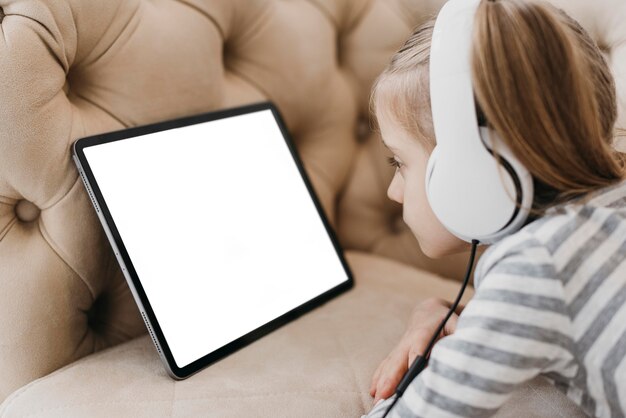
(319, 365)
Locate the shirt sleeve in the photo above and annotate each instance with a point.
(515, 327)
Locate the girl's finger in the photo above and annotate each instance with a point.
(419, 341)
(451, 325)
(459, 308)
(383, 365)
(413, 353)
(376, 376)
(391, 376)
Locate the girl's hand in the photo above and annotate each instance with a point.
(424, 320)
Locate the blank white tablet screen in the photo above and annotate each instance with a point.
(219, 226)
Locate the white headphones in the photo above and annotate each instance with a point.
(472, 194)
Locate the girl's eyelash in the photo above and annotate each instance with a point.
(393, 162)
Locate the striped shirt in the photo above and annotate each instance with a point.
(550, 300)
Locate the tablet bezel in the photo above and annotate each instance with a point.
(125, 262)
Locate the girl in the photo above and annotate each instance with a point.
(550, 298)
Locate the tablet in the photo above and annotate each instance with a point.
(216, 227)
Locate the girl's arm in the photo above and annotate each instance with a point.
(515, 327)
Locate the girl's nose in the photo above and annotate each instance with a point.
(395, 192)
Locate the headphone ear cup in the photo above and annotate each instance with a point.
(476, 195)
(520, 177)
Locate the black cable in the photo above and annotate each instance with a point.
(420, 362)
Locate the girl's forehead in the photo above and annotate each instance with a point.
(403, 115)
(393, 134)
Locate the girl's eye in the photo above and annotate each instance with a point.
(393, 162)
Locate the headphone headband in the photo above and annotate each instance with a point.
(452, 95)
(471, 192)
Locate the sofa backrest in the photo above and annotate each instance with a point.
(72, 68)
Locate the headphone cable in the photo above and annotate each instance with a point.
(420, 362)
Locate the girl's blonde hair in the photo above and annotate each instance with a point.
(541, 83)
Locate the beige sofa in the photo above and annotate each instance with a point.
(71, 340)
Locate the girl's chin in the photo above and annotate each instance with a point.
(434, 253)
(427, 247)
(435, 250)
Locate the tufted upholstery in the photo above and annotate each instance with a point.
(72, 68)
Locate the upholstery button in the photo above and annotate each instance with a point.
(1, 15)
(26, 211)
(98, 313)
(225, 57)
(363, 130)
(66, 87)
